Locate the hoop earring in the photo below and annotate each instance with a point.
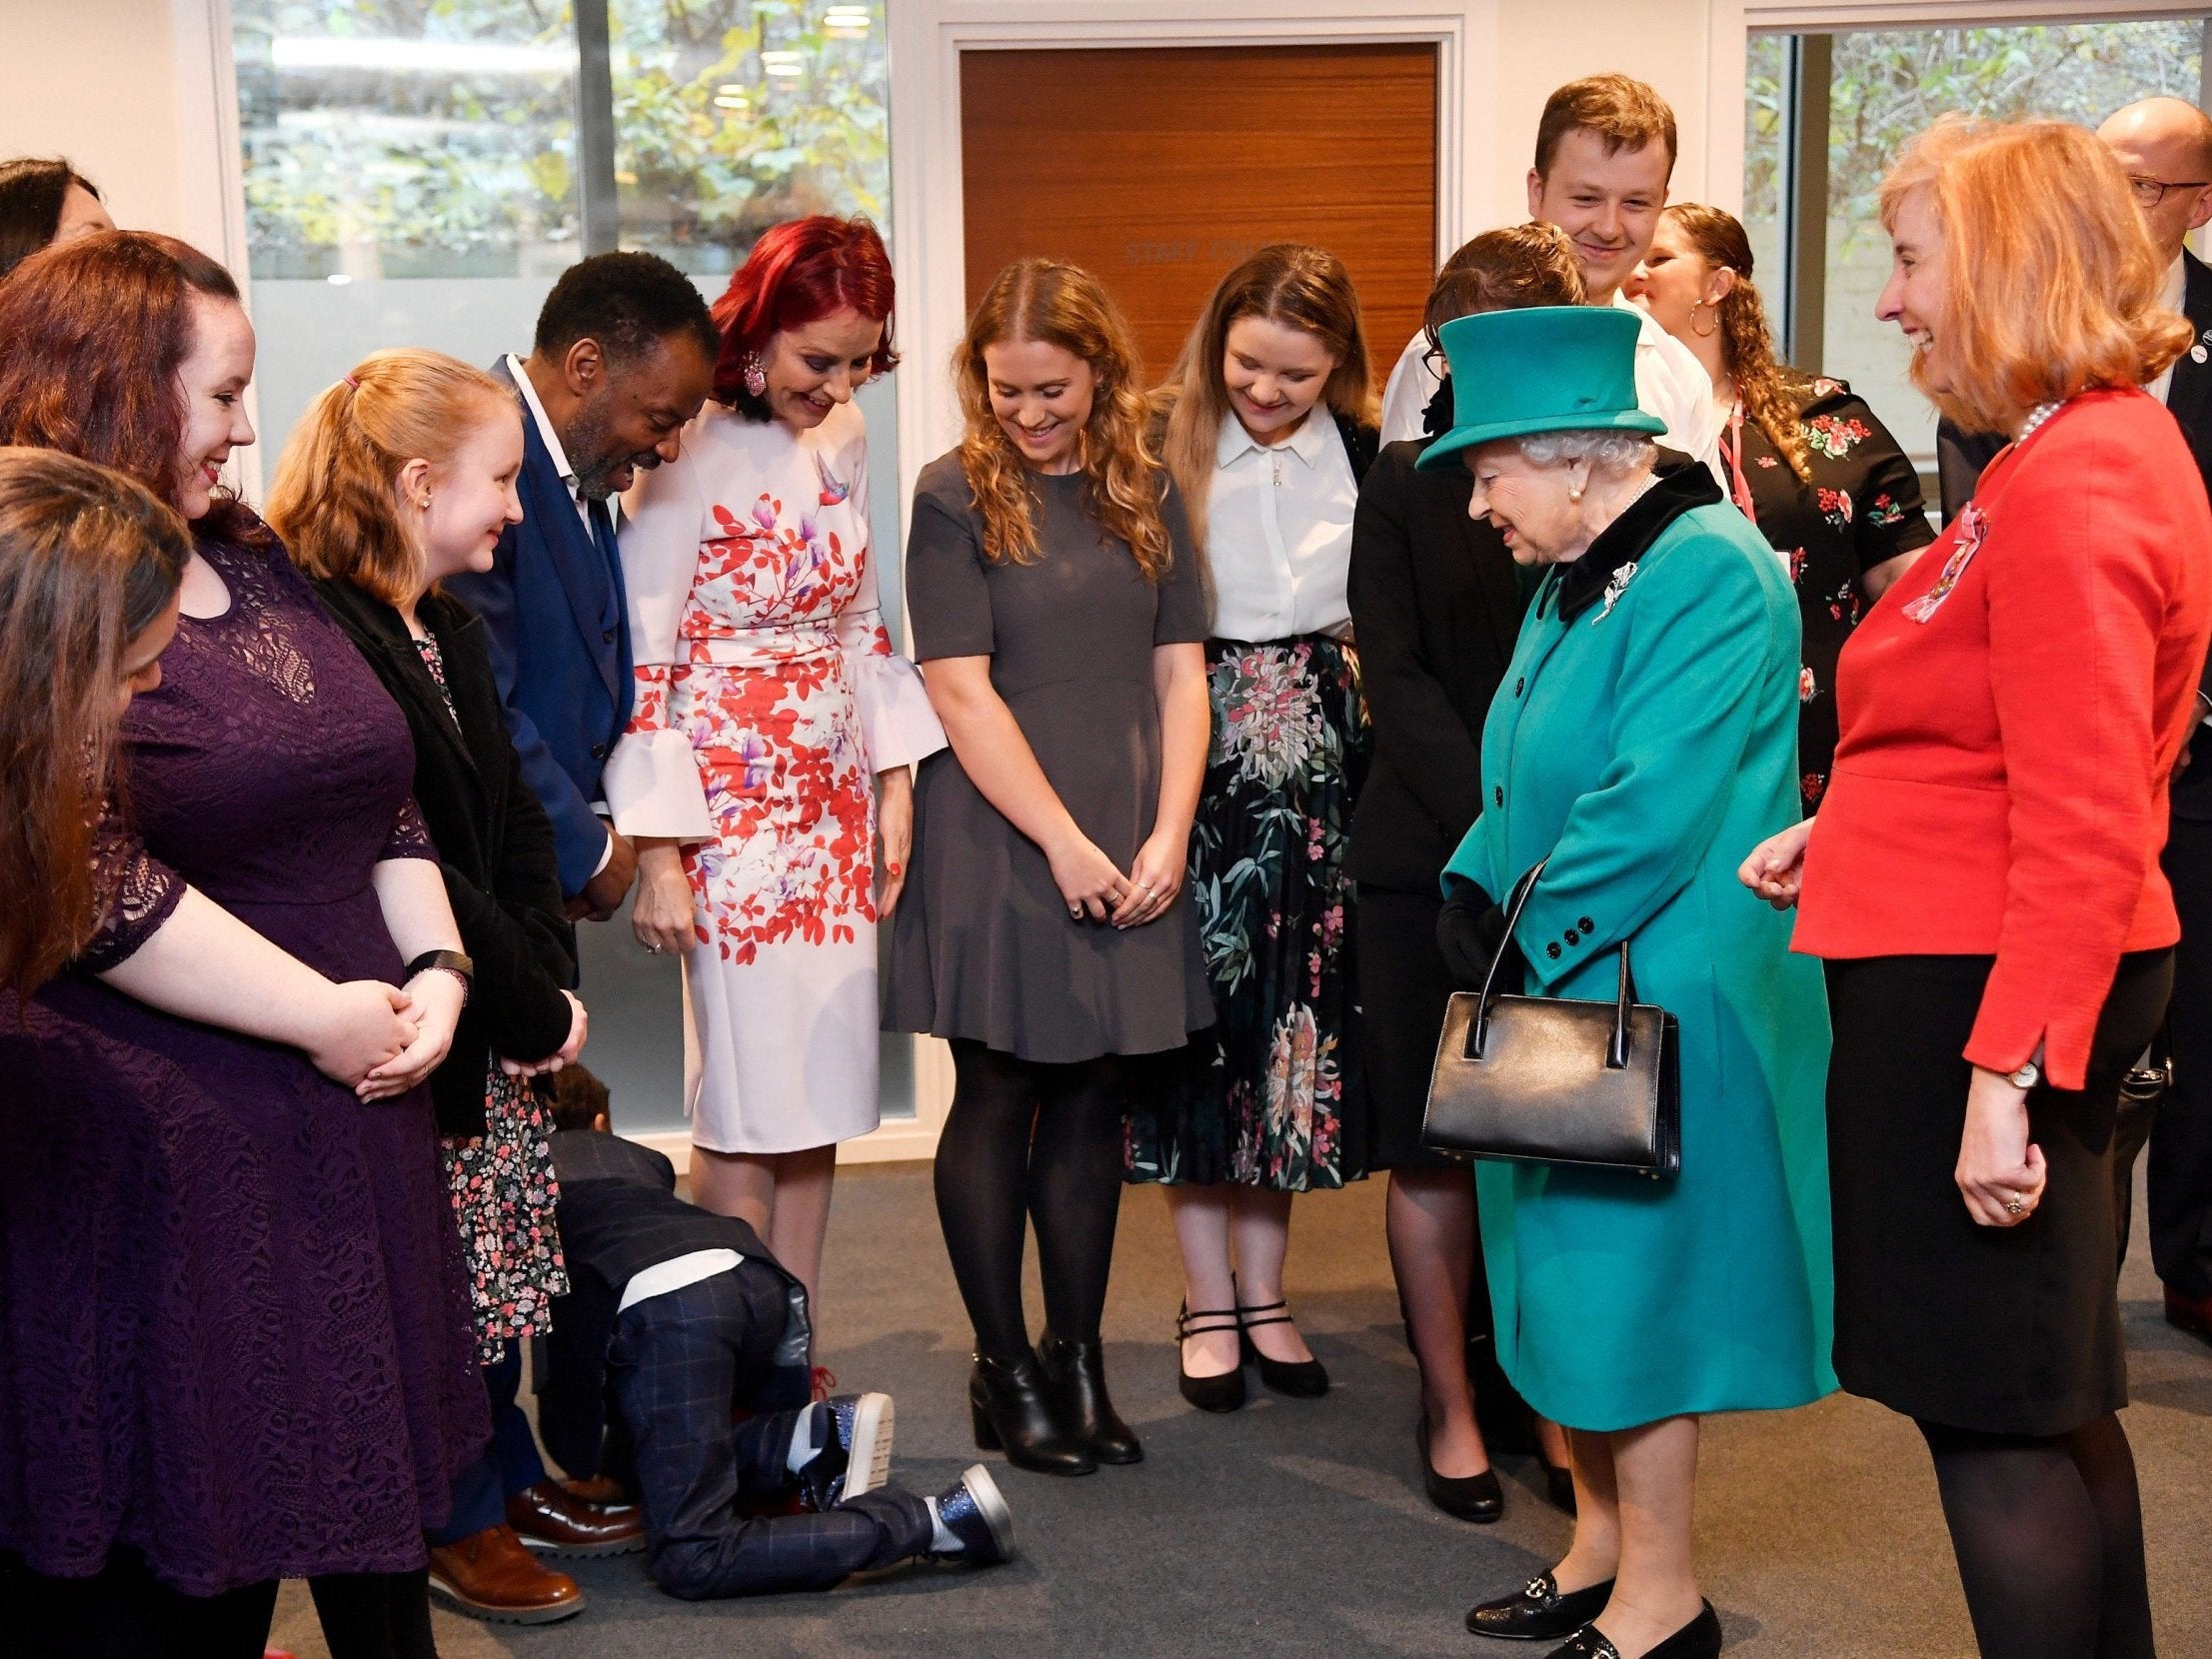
(750, 371)
(1704, 334)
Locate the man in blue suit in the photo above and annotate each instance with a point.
(624, 356)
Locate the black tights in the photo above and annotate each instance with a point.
(375, 1615)
(2049, 1539)
(1026, 1138)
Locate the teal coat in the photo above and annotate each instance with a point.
(1645, 745)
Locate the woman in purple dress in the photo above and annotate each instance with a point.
(233, 1317)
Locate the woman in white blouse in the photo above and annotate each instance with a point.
(765, 769)
(1269, 427)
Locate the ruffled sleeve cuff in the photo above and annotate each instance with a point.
(895, 716)
(651, 784)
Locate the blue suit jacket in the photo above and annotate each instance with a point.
(563, 669)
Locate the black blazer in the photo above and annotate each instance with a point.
(493, 837)
(1437, 603)
(1960, 457)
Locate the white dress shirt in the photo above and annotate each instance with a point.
(2171, 296)
(675, 1273)
(1671, 382)
(1279, 531)
(551, 442)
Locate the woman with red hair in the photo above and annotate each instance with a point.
(765, 767)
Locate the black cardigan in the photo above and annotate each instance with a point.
(494, 841)
(1437, 603)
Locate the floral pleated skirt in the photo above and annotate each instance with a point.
(1265, 1097)
(503, 1193)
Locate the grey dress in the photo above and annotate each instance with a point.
(983, 945)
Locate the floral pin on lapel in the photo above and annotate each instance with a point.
(1973, 529)
(1614, 590)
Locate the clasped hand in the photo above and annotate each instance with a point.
(381, 1041)
(1094, 887)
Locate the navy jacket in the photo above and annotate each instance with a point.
(557, 628)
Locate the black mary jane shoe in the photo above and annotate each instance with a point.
(1225, 1392)
(1478, 1498)
(1698, 1639)
(1010, 1410)
(1074, 1382)
(1301, 1379)
(1542, 1612)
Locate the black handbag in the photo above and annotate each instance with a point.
(1547, 1079)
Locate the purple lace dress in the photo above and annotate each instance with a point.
(234, 1322)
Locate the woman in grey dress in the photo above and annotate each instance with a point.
(1060, 622)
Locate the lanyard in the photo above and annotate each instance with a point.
(1731, 459)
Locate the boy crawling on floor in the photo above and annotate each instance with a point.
(680, 1318)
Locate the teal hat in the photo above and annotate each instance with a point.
(1554, 368)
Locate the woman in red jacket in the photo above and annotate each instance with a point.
(1984, 881)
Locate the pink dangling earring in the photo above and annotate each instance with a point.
(750, 371)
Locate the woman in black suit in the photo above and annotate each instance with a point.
(380, 526)
(1435, 605)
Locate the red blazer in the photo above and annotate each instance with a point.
(2011, 713)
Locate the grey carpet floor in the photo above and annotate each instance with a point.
(1299, 1527)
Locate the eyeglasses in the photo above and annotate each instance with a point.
(2150, 192)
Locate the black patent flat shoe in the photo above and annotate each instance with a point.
(1698, 1639)
(1542, 1612)
(1478, 1498)
(1301, 1379)
(1074, 1382)
(1225, 1392)
(1009, 1411)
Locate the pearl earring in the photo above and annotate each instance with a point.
(1575, 493)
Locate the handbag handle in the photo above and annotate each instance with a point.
(1616, 1049)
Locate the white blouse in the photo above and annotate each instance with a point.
(1279, 531)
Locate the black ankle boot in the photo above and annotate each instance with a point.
(1008, 1403)
(1074, 1382)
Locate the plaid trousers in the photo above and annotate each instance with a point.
(678, 1364)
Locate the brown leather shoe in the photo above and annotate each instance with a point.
(2190, 1313)
(491, 1576)
(601, 1492)
(548, 1517)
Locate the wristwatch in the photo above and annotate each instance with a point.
(2028, 1076)
(455, 963)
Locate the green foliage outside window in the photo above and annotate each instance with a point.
(439, 137)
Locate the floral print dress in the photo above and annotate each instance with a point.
(767, 697)
(504, 1190)
(1265, 1099)
(1860, 507)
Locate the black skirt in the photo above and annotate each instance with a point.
(2010, 1330)
(1402, 989)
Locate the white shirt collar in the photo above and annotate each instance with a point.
(2177, 283)
(551, 439)
(1306, 443)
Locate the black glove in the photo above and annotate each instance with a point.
(1471, 931)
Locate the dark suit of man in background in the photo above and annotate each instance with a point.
(624, 355)
(2165, 148)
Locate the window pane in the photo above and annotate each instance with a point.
(731, 116)
(386, 138)
(1765, 129)
(1889, 85)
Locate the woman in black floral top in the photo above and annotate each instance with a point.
(1802, 455)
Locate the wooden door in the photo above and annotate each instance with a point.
(1159, 168)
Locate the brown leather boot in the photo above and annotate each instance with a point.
(549, 1518)
(491, 1576)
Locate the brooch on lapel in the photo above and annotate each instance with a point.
(1614, 590)
(1973, 529)
(2197, 353)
